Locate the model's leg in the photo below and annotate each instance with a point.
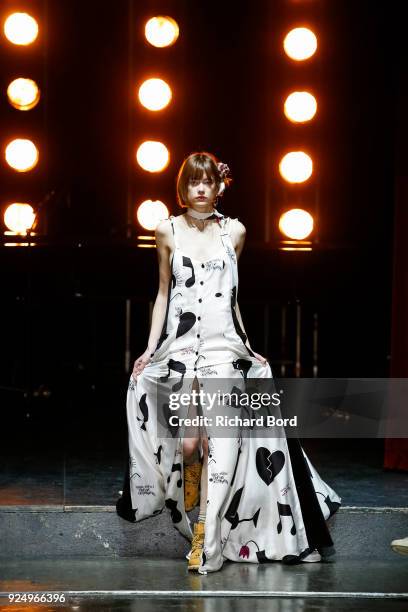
(190, 443)
(191, 460)
(199, 527)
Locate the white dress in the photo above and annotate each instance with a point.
(265, 502)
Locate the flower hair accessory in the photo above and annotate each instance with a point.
(224, 171)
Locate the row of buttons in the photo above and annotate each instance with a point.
(198, 335)
(199, 318)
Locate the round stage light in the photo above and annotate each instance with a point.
(296, 224)
(300, 44)
(23, 94)
(19, 217)
(153, 156)
(22, 154)
(161, 31)
(300, 106)
(21, 29)
(150, 213)
(154, 94)
(296, 167)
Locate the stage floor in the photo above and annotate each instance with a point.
(91, 473)
(158, 584)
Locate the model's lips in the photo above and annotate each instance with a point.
(201, 198)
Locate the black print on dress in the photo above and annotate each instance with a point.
(158, 454)
(146, 489)
(214, 264)
(211, 453)
(269, 464)
(218, 294)
(167, 413)
(187, 263)
(219, 477)
(244, 552)
(285, 510)
(231, 253)
(176, 366)
(287, 559)
(208, 370)
(176, 467)
(243, 365)
(236, 464)
(186, 322)
(332, 506)
(261, 555)
(231, 514)
(285, 489)
(144, 410)
(132, 465)
(178, 278)
(175, 514)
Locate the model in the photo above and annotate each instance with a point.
(260, 499)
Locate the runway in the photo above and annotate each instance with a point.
(76, 544)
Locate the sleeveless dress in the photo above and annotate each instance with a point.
(266, 502)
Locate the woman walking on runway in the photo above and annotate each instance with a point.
(260, 499)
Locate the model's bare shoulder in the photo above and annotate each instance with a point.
(240, 228)
(162, 232)
(237, 233)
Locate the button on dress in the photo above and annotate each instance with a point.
(266, 502)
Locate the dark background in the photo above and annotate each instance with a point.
(63, 302)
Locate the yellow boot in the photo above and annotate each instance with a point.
(192, 477)
(196, 546)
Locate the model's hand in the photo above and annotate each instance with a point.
(141, 362)
(263, 360)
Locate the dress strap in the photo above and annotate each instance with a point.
(226, 224)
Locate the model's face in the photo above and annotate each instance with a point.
(202, 192)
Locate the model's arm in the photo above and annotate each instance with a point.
(238, 234)
(160, 304)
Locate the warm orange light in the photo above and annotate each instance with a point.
(21, 29)
(19, 217)
(153, 156)
(300, 44)
(161, 31)
(154, 94)
(296, 167)
(23, 94)
(150, 213)
(21, 154)
(300, 106)
(296, 224)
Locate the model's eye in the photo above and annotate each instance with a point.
(195, 182)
